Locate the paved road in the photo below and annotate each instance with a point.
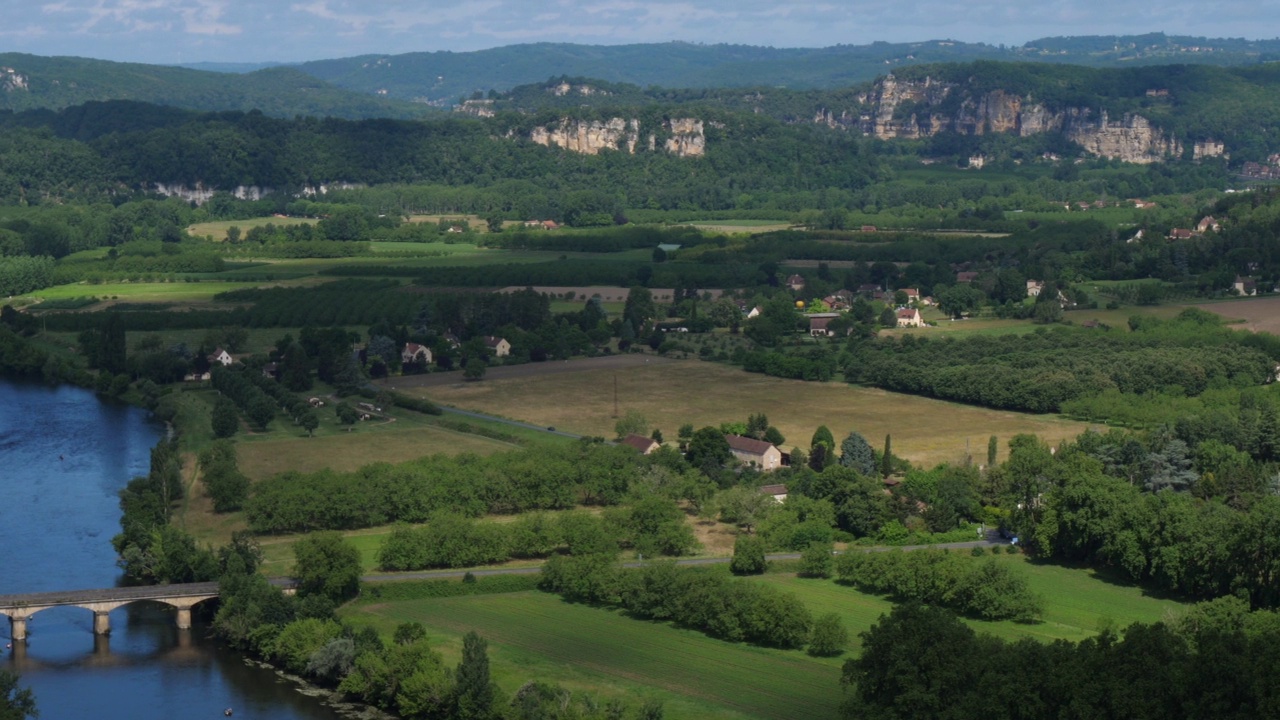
(992, 540)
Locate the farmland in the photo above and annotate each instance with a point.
(670, 394)
(597, 650)
(532, 634)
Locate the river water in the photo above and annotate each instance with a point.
(64, 455)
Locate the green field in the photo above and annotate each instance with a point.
(536, 635)
(1077, 602)
(144, 291)
(218, 230)
(533, 634)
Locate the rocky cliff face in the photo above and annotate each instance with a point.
(200, 193)
(589, 137)
(911, 109)
(12, 80)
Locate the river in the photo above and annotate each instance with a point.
(64, 455)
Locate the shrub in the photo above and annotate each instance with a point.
(815, 561)
(829, 636)
(748, 556)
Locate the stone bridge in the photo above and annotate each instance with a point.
(183, 597)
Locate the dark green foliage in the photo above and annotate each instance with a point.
(732, 609)
(16, 703)
(984, 589)
(829, 636)
(226, 420)
(748, 555)
(474, 691)
(921, 662)
(708, 450)
(544, 478)
(815, 560)
(328, 566)
(222, 478)
(856, 453)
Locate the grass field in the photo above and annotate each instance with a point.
(536, 635)
(739, 226)
(218, 230)
(144, 292)
(533, 634)
(1258, 314)
(1078, 602)
(703, 393)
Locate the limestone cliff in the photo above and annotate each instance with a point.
(920, 108)
(11, 80)
(200, 193)
(589, 137)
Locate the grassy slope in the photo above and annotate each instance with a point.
(537, 635)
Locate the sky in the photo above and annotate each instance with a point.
(186, 31)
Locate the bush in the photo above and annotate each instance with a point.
(815, 561)
(984, 589)
(748, 556)
(829, 636)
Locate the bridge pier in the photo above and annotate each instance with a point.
(18, 628)
(184, 618)
(101, 623)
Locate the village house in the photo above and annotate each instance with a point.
(413, 352)
(198, 377)
(1245, 286)
(967, 276)
(1181, 234)
(795, 282)
(1034, 287)
(909, 317)
(451, 340)
(777, 492)
(271, 371)
(913, 294)
(499, 346)
(752, 312)
(639, 442)
(754, 452)
(1208, 224)
(868, 228)
(221, 357)
(818, 323)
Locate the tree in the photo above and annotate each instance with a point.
(748, 556)
(226, 420)
(757, 424)
(815, 560)
(328, 565)
(708, 450)
(829, 637)
(959, 300)
(993, 451)
(774, 437)
(856, 453)
(15, 703)
(888, 318)
(886, 460)
(632, 423)
(309, 421)
(233, 234)
(474, 691)
(819, 458)
(639, 307)
(474, 368)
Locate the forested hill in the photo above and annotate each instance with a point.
(443, 77)
(31, 82)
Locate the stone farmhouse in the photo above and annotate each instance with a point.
(759, 453)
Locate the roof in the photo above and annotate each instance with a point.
(908, 313)
(748, 445)
(639, 442)
(795, 279)
(773, 489)
(492, 341)
(413, 348)
(966, 276)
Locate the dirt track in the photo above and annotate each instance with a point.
(551, 367)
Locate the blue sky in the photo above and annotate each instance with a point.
(171, 31)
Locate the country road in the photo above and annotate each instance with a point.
(992, 540)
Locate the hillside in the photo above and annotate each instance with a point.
(1136, 114)
(32, 82)
(441, 78)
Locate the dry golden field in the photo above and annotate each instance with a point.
(1258, 314)
(672, 393)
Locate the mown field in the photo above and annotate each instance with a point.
(536, 635)
(597, 650)
(670, 394)
(1258, 314)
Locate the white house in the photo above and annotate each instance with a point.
(413, 352)
(909, 317)
(499, 346)
(221, 357)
